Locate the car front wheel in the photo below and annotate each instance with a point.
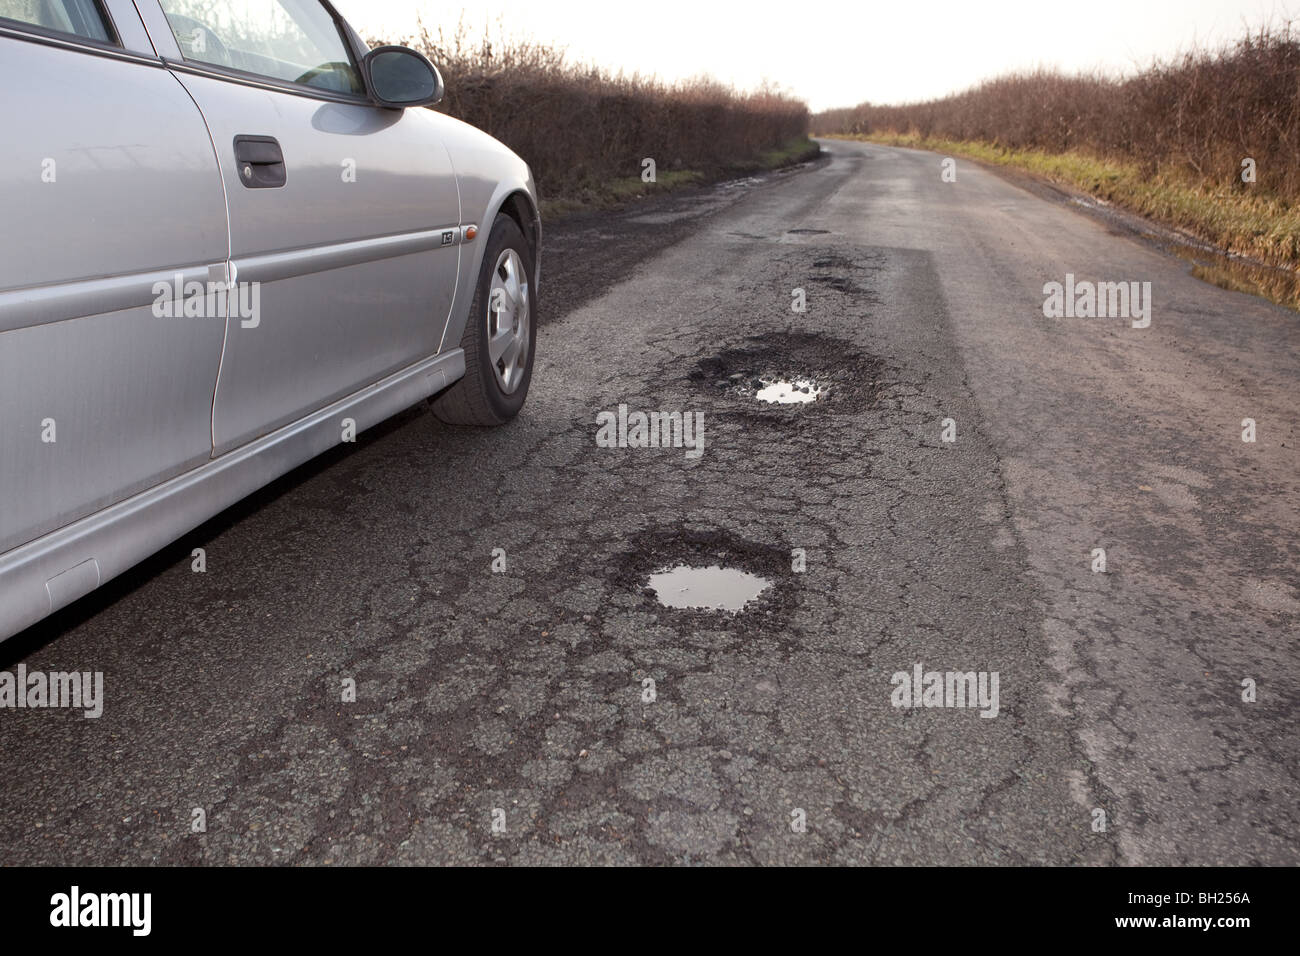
(499, 338)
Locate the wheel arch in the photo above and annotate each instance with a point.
(519, 204)
(520, 207)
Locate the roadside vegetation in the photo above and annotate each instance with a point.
(585, 131)
(1171, 143)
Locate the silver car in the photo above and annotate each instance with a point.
(232, 239)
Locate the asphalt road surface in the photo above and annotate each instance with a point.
(509, 716)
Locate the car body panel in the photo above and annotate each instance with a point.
(129, 394)
(164, 422)
(353, 279)
(489, 177)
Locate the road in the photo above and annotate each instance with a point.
(770, 735)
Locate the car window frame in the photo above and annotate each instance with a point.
(261, 80)
(115, 44)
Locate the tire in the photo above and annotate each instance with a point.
(494, 389)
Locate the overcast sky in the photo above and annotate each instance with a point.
(842, 52)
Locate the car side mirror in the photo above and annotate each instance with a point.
(398, 77)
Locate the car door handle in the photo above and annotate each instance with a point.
(260, 161)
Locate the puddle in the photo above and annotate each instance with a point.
(713, 588)
(787, 392)
(1279, 283)
(785, 389)
(710, 577)
(1281, 286)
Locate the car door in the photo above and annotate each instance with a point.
(109, 191)
(344, 216)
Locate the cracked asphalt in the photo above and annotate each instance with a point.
(525, 690)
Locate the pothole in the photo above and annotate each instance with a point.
(709, 575)
(712, 588)
(789, 372)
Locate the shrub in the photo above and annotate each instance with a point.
(578, 126)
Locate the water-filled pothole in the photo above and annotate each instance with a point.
(794, 369)
(712, 588)
(709, 576)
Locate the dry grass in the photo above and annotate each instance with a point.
(1167, 143)
(584, 131)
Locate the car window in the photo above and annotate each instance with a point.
(291, 40)
(83, 18)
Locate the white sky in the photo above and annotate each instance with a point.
(842, 52)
